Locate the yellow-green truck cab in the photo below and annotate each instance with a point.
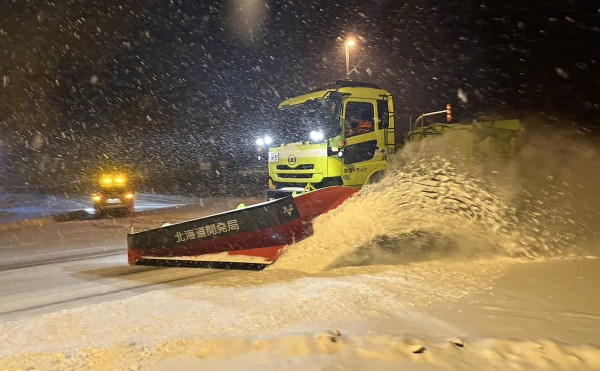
(337, 135)
(344, 134)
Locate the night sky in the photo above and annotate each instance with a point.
(159, 86)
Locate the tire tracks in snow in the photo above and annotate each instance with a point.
(47, 287)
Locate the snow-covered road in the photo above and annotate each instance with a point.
(432, 275)
(74, 263)
(45, 239)
(48, 287)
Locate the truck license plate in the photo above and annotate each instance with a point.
(273, 156)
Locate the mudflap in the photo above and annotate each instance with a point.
(249, 238)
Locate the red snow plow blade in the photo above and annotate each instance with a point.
(248, 238)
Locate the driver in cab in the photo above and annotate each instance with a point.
(362, 125)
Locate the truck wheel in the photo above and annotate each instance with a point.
(375, 177)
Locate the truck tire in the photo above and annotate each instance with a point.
(375, 177)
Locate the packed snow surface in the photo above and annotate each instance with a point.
(434, 267)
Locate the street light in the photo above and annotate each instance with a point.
(348, 44)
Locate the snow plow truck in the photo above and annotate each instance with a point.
(326, 145)
(346, 134)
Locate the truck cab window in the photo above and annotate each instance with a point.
(359, 118)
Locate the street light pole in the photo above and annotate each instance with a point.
(348, 44)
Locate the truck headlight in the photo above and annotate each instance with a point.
(316, 136)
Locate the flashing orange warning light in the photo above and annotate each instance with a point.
(448, 112)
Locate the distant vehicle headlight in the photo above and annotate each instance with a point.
(129, 196)
(96, 198)
(316, 136)
(260, 142)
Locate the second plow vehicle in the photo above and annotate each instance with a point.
(326, 145)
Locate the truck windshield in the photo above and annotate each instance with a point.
(296, 123)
